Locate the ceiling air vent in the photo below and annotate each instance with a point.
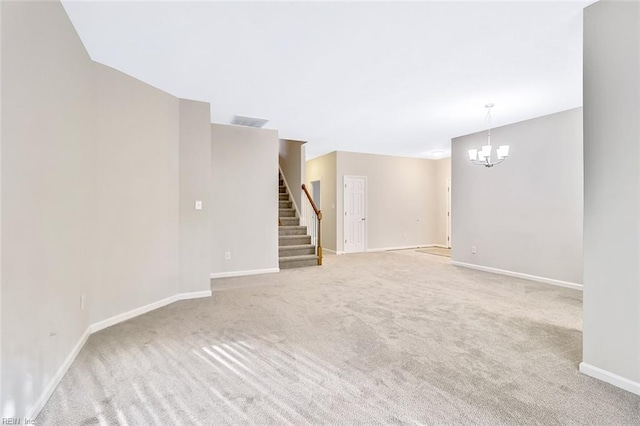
(243, 120)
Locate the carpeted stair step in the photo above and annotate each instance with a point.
(298, 261)
(294, 245)
(293, 240)
(290, 221)
(292, 230)
(299, 250)
(287, 213)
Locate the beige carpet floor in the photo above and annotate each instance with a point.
(438, 251)
(378, 338)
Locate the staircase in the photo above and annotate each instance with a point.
(294, 245)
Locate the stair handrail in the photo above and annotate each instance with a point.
(318, 214)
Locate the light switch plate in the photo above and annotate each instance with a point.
(198, 205)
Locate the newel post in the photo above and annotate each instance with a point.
(319, 238)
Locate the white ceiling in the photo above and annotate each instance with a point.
(399, 78)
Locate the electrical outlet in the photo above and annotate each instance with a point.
(82, 302)
(227, 255)
(473, 250)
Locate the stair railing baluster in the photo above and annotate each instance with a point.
(316, 217)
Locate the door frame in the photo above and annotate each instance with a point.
(448, 213)
(366, 211)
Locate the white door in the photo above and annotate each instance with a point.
(449, 213)
(355, 225)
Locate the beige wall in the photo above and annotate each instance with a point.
(611, 187)
(1, 345)
(401, 199)
(524, 215)
(324, 169)
(443, 178)
(244, 199)
(91, 185)
(292, 162)
(195, 181)
(406, 198)
(136, 142)
(48, 196)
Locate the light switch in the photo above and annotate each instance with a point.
(198, 205)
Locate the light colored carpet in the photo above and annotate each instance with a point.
(377, 338)
(438, 251)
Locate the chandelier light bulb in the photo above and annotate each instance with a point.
(482, 156)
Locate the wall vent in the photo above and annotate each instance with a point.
(243, 120)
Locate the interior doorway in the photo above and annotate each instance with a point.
(355, 208)
(315, 193)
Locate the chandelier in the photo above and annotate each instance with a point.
(482, 156)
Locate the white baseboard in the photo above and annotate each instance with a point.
(519, 275)
(194, 295)
(34, 411)
(329, 250)
(375, 250)
(243, 273)
(101, 325)
(611, 378)
(146, 308)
